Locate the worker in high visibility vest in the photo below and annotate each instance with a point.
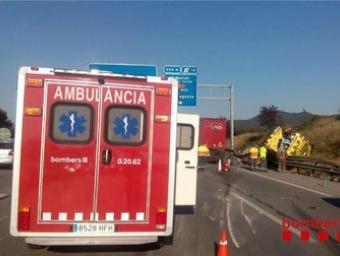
(254, 154)
(203, 154)
(263, 157)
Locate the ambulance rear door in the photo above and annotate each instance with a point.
(125, 154)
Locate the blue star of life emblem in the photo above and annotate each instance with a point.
(125, 126)
(72, 123)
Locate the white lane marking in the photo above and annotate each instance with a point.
(287, 183)
(212, 218)
(268, 214)
(231, 229)
(247, 219)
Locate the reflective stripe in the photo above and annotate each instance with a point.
(223, 242)
(125, 216)
(109, 216)
(47, 216)
(140, 216)
(62, 216)
(78, 216)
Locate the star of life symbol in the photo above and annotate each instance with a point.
(72, 123)
(125, 126)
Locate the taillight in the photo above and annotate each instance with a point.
(161, 218)
(11, 152)
(24, 218)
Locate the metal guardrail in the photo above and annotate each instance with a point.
(314, 165)
(306, 163)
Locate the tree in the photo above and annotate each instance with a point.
(269, 116)
(4, 121)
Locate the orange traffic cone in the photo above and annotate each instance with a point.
(223, 245)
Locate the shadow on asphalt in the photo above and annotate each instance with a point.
(6, 167)
(184, 210)
(106, 248)
(333, 201)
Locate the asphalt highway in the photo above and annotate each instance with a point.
(249, 205)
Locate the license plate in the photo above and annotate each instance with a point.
(93, 228)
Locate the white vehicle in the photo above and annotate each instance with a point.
(186, 169)
(6, 153)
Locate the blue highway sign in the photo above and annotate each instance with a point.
(187, 76)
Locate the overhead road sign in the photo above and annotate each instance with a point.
(186, 75)
(125, 69)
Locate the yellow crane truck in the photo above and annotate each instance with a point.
(295, 143)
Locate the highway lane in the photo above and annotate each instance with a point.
(257, 205)
(250, 207)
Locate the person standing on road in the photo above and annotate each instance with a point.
(281, 156)
(263, 157)
(254, 154)
(203, 154)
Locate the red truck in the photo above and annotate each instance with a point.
(213, 133)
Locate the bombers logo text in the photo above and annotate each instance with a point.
(112, 95)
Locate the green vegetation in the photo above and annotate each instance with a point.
(5, 122)
(324, 134)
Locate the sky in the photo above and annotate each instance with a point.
(285, 54)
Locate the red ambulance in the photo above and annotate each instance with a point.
(95, 157)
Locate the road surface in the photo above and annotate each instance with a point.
(249, 205)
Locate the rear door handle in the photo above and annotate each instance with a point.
(107, 156)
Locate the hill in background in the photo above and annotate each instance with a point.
(324, 135)
(287, 119)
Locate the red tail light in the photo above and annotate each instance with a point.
(161, 218)
(24, 218)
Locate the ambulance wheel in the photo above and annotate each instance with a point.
(36, 246)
